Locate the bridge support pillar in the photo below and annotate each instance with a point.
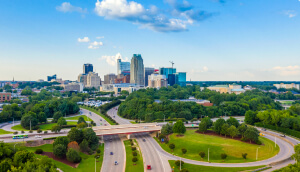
(128, 136)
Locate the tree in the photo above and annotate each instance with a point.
(172, 146)
(80, 120)
(167, 129)
(75, 135)
(244, 155)
(61, 121)
(73, 156)
(232, 121)
(59, 150)
(42, 117)
(28, 118)
(251, 134)
(178, 163)
(84, 146)
(22, 157)
(218, 125)
(208, 122)
(183, 150)
(242, 128)
(223, 156)
(179, 127)
(217, 99)
(250, 117)
(91, 137)
(224, 129)
(203, 127)
(74, 145)
(81, 125)
(56, 116)
(63, 140)
(233, 131)
(134, 159)
(56, 128)
(202, 154)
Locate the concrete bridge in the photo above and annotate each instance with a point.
(126, 129)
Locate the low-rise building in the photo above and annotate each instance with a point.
(93, 80)
(5, 97)
(157, 81)
(231, 88)
(117, 88)
(287, 86)
(73, 87)
(109, 78)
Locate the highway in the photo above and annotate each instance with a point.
(150, 154)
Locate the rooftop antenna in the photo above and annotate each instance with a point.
(172, 63)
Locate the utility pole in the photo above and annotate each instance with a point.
(180, 163)
(208, 154)
(30, 125)
(257, 153)
(164, 118)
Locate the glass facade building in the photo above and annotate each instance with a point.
(181, 78)
(167, 71)
(137, 72)
(87, 68)
(49, 78)
(122, 66)
(148, 71)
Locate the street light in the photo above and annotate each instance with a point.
(257, 153)
(180, 163)
(15, 147)
(208, 155)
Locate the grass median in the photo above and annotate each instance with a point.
(201, 168)
(4, 132)
(195, 143)
(98, 113)
(130, 165)
(42, 127)
(77, 117)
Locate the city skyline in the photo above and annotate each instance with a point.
(211, 40)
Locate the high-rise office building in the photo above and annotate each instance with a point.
(148, 71)
(49, 78)
(181, 78)
(137, 70)
(166, 71)
(87, 68)
(122, 66)
(109, 78)
(171, 79)
(82, 78)
(93, 80)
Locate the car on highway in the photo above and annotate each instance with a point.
(37, 136)
(149, 167)
(114, 116)
(111, 153)
(282, 135)
(264, 129)
(100, 119)
(144, 140)
(116, 162)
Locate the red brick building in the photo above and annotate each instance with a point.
(5, 96)
(124, 79)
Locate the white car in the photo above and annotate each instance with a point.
(37, 136)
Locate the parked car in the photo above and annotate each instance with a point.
(111, 153)
(116, 162)
(144, 140)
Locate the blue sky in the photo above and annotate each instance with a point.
(208, 39)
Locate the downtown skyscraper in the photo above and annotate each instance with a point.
(137, 70)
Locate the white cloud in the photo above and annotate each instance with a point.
(205, 69)
(290, 13)
(287, 70)
(67, 7)
(112, 60)
(85, 39)
(95, 43)
(153, 18)
(99, 37)
(92, 47)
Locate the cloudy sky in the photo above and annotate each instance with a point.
(208, 39)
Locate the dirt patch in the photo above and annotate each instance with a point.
(212, 133)
(38, 143)
(179, 135)
(64, 160)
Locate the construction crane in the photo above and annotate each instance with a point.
(172, 63)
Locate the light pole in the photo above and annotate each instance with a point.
(257, 153)
(208, 155)
(15, 147)
(13, 121)
(95, 164)
(180, 163)
(164, 118)
(30, 125)
(275, 141)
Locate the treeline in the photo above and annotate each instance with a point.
(141, 104)
(110, 98)
(286, 121)
(15, 159)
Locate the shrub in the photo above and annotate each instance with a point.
(84, 146)
(183, 150)
(184, 170)
(73, 156)
(98, 151)
(258, 142)
(15, 132)
(202, 154)
(39, 131)
(131, 144)
(178, 163)
(134, 159)
(134, 153)
(59, 151)
(223, 156)
(172, 146)
(39, 151)
(244, 155)
(56, 128)
(133, 148)
(30, 131)
(22, 132)
(74, 145)
(243, 139)
(97, 156)
(45, 132)
(90, 152)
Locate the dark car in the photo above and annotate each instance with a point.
(116, 162)
(111, 153)
(264, 129)
(144, 140)
(282, 135)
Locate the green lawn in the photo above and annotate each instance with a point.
(42, 127)
(87, 163)
(200, 168)
(130, 167)
(195, 143)
(98, 113)
(4, 132)
(76, 118)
